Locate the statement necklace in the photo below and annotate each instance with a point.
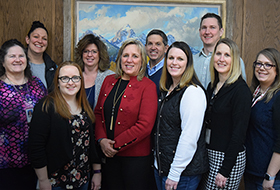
(114, 104)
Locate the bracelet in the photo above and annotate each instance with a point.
(96, 171)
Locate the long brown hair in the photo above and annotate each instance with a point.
(189, 76)
(274, 56)
(60, 105)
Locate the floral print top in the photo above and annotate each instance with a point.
(75, 173)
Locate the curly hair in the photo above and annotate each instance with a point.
(104, 61)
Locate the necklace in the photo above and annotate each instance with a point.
(27, 99)
(89, 92)
(114, 104)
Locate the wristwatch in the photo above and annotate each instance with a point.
(268, 177)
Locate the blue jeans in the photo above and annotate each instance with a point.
(83, 187)
(253, 182)
(185, 182)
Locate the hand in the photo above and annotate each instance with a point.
(45, 184)
(96, 181)
(170, 184)
(268, 185)
(220, 181)
(107, 147)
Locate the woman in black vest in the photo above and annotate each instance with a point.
(180, 152)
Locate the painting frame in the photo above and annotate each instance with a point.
(70, 17)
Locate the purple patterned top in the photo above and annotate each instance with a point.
(13, 121)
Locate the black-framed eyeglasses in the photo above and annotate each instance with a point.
(90, 51)
(66, 79)
(266, 66)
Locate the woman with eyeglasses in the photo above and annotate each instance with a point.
(263, 135)
(19, 92)
(61, 137)
(91, 54)
(227, 118)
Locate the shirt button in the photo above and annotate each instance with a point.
(105, 94)
(121, 109)
(101, 108)
(119, 123)
(129, 85)
(124, 96)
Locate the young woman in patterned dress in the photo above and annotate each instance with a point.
(61, 138)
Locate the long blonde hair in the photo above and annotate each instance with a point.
(235, 67)
(141, 73)
(60, 105)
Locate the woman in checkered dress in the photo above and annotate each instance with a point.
(227, 118)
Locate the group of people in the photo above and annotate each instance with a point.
(178, 121)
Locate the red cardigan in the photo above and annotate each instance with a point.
(135, 119)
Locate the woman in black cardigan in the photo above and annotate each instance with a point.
(227, 117)
(61, 137)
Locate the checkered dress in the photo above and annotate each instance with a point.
(215, 161)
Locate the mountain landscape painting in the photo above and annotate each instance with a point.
(115, 22)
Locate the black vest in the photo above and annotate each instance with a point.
(167, 133)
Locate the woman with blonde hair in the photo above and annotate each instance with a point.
(61, 139)
(227, 118)
(125, 115)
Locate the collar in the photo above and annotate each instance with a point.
(157, 67)
(201, 53)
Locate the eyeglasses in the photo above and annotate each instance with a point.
(266, 66)
(66, 79)
(90, 51)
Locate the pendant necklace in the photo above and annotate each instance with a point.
(114, 104)
(27, 96)
(27, 101)
(89, 92)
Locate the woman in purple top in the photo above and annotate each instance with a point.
(19, 92)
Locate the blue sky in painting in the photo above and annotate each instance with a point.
(181, 21)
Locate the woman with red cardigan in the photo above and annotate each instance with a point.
(125, 115)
